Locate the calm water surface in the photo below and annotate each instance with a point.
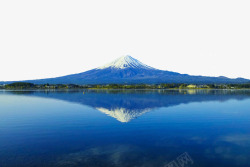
(124, 128)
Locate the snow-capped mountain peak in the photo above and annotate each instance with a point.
(125, 62)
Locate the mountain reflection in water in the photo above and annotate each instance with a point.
(98, 128)
(126, 105)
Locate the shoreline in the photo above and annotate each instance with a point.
(119, 89)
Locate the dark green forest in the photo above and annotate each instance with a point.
(25, 85)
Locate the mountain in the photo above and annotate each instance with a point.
(126, 62)
(127, 70)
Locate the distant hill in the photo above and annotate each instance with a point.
(127, 70)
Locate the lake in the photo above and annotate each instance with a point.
(125, 128)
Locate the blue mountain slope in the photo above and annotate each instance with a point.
(129, 70)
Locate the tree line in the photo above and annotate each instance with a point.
(26, 85)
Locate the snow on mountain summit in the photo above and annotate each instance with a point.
(125, 62)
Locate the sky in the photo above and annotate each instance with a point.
(50, 38)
